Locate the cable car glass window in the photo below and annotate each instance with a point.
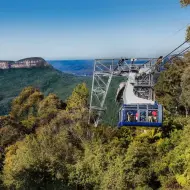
(142, 116)
(131, 115)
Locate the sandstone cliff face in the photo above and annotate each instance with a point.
(24, 63)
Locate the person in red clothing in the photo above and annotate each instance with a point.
(137, 115)
(154, 115)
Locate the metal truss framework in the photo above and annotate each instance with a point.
(105, 70)
(144, 87)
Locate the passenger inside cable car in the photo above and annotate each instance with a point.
(141, 115)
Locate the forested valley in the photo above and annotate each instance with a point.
(47, 143)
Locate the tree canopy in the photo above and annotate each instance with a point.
(185, 3)
(48, 144)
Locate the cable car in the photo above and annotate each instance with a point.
(147, 115)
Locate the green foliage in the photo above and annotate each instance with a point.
(47, 144)
(26, 104)
(78, 98)
(101, 167)
(77, 103)
(185, 95)
(49, 107)
(188, 34)
(168, 88)
(185, 3)
(51, 146)
(10, 131)
(173, 170)
(48, 80)
(38, 161)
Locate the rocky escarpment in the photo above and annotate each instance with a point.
(24, 63)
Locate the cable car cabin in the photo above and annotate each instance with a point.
(146, 115)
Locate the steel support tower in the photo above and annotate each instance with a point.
(104, 72)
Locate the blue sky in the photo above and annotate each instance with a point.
(83, 29)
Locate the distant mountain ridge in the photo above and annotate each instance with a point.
(76, 67)
(24, 63)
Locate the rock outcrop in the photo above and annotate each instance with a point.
(24, 63)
